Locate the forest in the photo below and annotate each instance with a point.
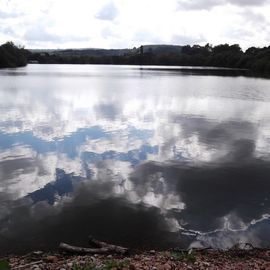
(254, 59)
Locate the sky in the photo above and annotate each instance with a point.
(129, 23)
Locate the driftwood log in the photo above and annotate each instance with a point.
(99, 248)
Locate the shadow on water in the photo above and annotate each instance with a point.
(92, 209)
(205, 71)
(218, 199)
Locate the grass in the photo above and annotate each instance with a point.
(115, 264)
(4, 265)
(184, 256)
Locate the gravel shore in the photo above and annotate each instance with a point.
(150, 260)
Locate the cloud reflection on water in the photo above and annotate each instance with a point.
(161, 154)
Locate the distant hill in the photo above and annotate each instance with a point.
(95, 52)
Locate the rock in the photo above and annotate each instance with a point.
(165, 266)
(51, 259)
(152, 252)
(70, 264)
(207, 264)
(132, 267)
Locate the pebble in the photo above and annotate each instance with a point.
(70, 264)
(167, 266)
(51, 259)
(213, 261)
(206, 264)
(132, 267)
(38, 253)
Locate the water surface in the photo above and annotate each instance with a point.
(144, 157)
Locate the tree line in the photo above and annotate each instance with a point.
(254, 59)
(224, 55)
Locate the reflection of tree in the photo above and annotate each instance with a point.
(63, 185)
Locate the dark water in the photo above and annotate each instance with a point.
(139, 157)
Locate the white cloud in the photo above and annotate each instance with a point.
(108, 12)
(208, 4)
(127, 23)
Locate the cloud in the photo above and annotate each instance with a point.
(187, 40)
(108, 13)
(39, 33)
(208, 4)
(9, 15)
(116, 24)
(248, 2)
(145, 36)
(198, 5)
(7, 30)
(253, 17)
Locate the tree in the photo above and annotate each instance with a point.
(12, 56)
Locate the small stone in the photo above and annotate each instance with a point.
(207, 264)
(51, 259)
(70, 264)
(132, 267)
(167, 266)
(152, 252)
(38, 253)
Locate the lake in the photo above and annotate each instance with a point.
(146, 157)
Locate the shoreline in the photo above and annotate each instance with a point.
(143, 260)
